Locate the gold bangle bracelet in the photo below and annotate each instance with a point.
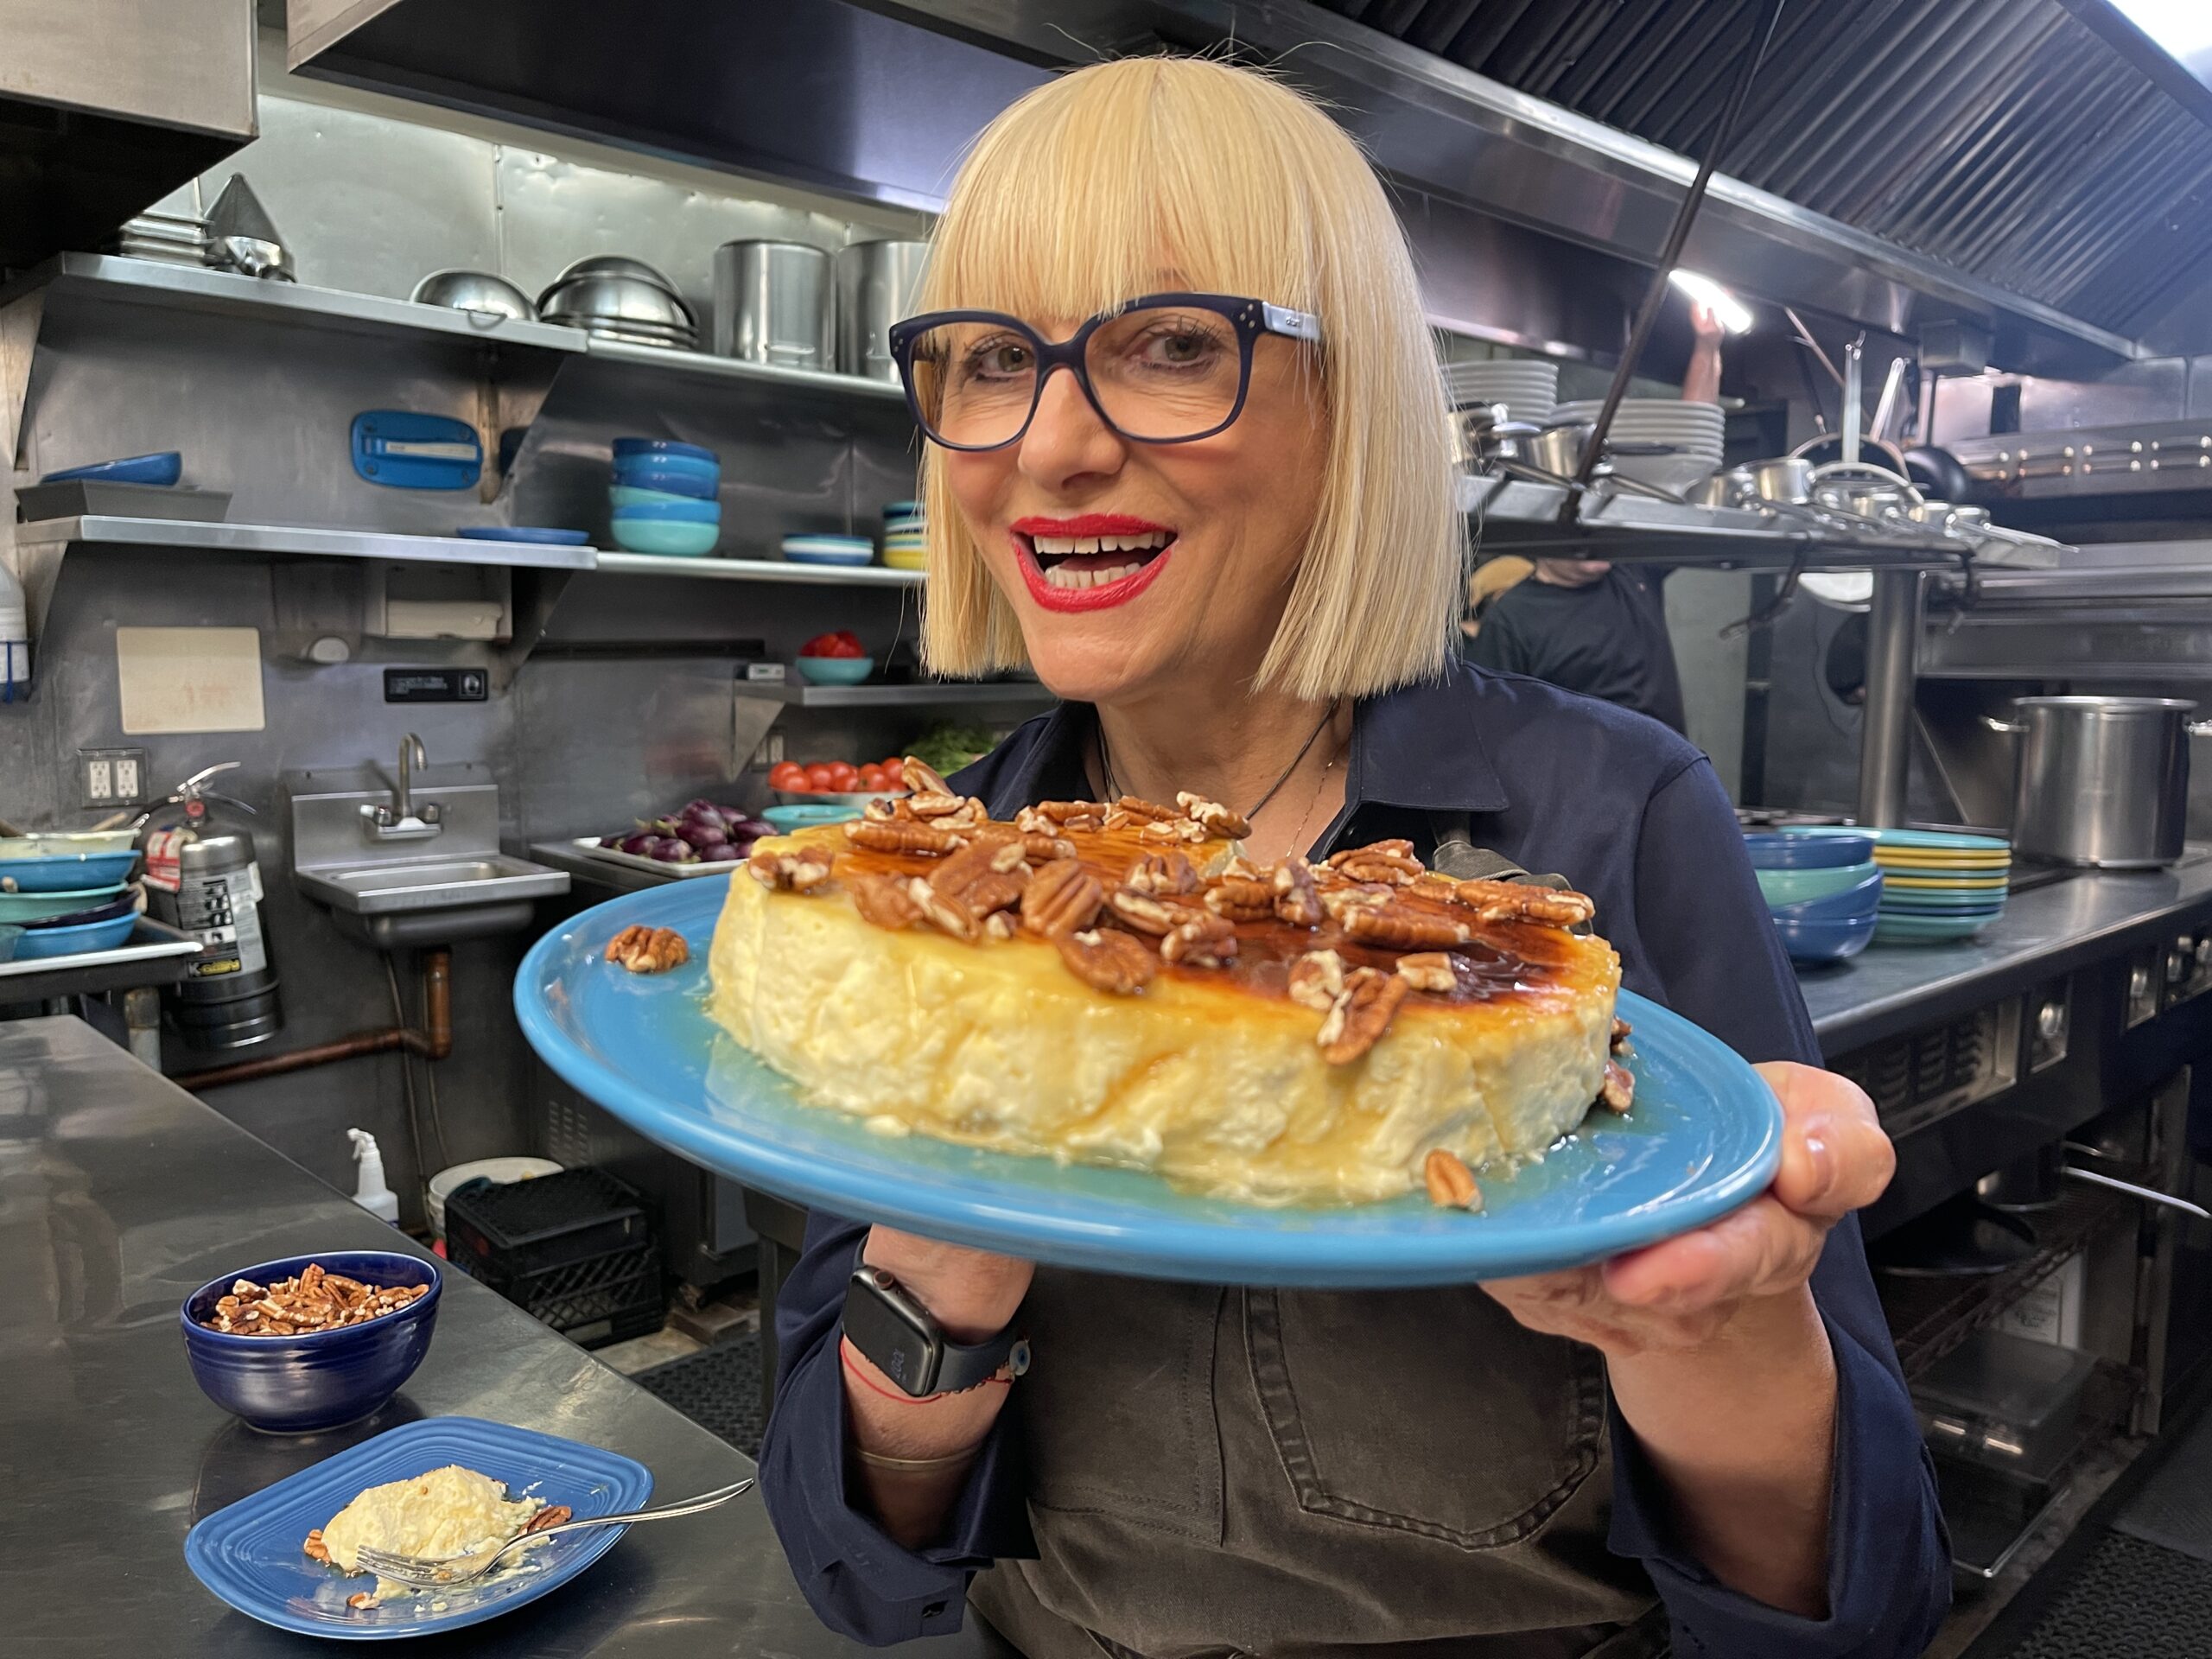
(916, 1465)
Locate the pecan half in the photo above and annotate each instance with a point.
(1062, 897)
(882, 900)
(793, 869)
(1164, 875)
(1172, 829)
(363, 1599)
(640, 949)
(1046, 849)
(1429, 971)
(1341, 902)
(1051, 817)
(1000, 925)
(946, 915)
(1297, 902)
(1213, 816)
(1451, 1184)
(884, 809)
(917, 839)
(1316, 979)
(1619, 1039)
(1242, 898)
(1618, 1093)
(1397, 929)
(1391, 863)
(1108, 961)
(1139, 808)
(1524, 901)
(992, 853)
(1360, 1016)
(1146, 913)
(1201, 940)
(552, 1514)
(937, 804)
(996, 890)
(922, 778)
(314, 1550)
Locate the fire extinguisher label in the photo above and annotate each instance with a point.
(161, 859)
(219, 911)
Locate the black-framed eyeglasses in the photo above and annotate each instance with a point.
(1167, 368)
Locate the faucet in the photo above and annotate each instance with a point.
(401, 821)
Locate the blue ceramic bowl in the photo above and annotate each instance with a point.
(676, 541)
(28, 908)
(163, 468)
(902, 510)
(1782, 850)
(64, 871)
(1794, 886)
(42, 942)
(680, 511)
(790, 819)
(620, 496)
(677, 474)
(630, 448)
(836, 671)
(291, 1385)
(1818, 942)
(1862, 898)
(100, 910)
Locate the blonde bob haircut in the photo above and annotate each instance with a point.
(1155, 174)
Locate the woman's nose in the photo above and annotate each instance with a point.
(1067, 439)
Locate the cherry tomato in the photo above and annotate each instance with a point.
(821, 775)
(787, 775)
(843, 643)
(872, 778)
(844, 777)
(894, 773)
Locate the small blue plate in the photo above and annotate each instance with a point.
(627, 448)
(248, 1554)
(73, 941)
(525, 533)
(1776, 849)
(64, 871)
(1705, 1138)
(163, 468)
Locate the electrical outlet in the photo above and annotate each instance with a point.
(112, 777)
(770, 753)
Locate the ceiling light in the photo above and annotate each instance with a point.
(1735, 315)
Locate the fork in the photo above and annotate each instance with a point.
(420, 1574)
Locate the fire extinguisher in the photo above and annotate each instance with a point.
(202, 878)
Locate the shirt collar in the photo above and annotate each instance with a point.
(1416, 748)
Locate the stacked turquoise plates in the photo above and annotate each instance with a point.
(1937, 885)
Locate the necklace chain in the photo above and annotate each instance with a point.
(1113, 790)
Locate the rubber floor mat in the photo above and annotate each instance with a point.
(718, 1389)
(2127, 1600)
(2174, 1508)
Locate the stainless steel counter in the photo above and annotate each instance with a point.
(2046, 931)
(120, 1194)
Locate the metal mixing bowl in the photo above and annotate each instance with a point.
(474, 291)
(622, 300)
(605, 264)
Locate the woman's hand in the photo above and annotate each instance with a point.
(1687, 1292)
(1719, 1359)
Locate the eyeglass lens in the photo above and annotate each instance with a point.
(1159, 373)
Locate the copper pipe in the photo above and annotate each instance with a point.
(434, 1042)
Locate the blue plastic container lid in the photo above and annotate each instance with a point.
(625, 447)
(525, 533)
(1783, 850)
(161, 468)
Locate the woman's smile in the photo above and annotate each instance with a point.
(1091, 561)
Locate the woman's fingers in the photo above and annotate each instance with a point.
(1761, 1248)
(1835, 1157)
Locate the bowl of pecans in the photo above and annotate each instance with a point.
(312, 1341)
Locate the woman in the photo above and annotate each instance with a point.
(1230, 546)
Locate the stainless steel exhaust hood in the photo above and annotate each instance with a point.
(1906, 162)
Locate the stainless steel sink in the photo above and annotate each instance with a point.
(444, 879)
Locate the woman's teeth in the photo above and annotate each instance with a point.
(1073, 561)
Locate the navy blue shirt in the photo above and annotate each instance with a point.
(1633, 816)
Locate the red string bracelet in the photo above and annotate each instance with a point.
(846, 1353)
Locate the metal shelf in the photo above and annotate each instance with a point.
(714, 569)
(153, 955)
(921, 694)
(107, 530)
(732, 368)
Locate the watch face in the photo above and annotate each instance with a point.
(886, 1327)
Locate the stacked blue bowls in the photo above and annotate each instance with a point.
(665, 497)
(1824, 892)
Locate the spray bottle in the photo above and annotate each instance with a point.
(369, 1190)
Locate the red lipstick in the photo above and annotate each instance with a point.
(1067, 601)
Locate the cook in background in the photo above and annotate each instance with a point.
(1584, 623)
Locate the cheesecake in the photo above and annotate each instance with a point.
(1113, 984)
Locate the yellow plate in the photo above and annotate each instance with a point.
(1952, 883)
(1943, 861)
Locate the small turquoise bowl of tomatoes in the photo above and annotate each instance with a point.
(837, 783)
(836, 659)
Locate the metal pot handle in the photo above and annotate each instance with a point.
(2013, 728)
(2198, 727)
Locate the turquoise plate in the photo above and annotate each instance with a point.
(1705, 1138)
(1944, 841)
(1928, 930)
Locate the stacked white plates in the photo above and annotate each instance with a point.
(1695, 433)
(1527, 386)
(174, 239)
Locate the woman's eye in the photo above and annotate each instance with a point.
(997, 360)
(1177, 348)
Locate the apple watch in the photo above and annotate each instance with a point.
(900, 1338)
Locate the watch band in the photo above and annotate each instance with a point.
(887, 1324)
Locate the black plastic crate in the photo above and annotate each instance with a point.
(523, 1227)
(609, 1298)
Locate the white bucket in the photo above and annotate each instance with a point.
(496, 1169)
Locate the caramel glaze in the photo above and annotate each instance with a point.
(1502, 961)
